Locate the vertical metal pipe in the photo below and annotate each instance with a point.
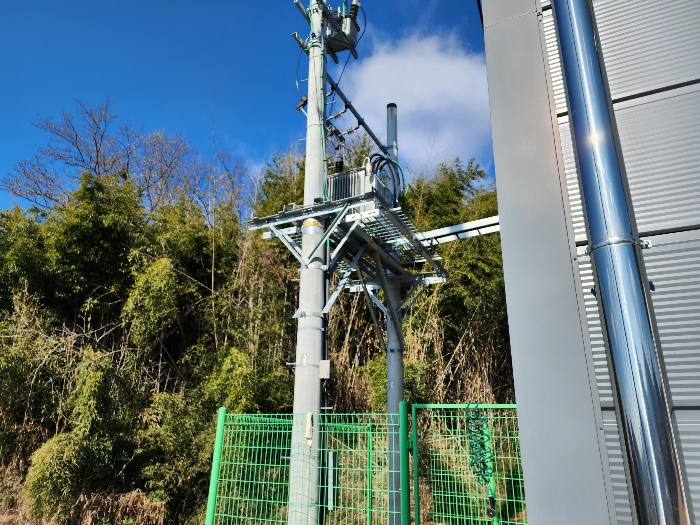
(391, 131)
(305, 465)
(616, 257)
(392, 146)
(394, 356)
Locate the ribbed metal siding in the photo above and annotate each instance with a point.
(661, 148)
(572, 185)
(673, 265)
(555, 70)
(557, 78)
(688, 424)
(648, 44)
(613, 444)
(595, 331)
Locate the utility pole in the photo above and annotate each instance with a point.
(305, 460)
(349, 222)
(394, 352)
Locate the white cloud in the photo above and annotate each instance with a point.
(441, 93)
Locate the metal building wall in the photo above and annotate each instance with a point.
(561, 425)
(651, 53)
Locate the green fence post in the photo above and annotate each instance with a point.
(216, 466)
(492, 484)
(416, 464)
(369, 474)
(403, 455)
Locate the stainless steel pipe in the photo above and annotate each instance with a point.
(617, 260)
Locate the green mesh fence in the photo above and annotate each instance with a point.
(466, 465)
(254, 469)
(350, 466)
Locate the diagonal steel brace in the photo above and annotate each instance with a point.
(343, 280)
(376, 301)
(289, 243)
(371, 310)
(390, 306)
(329, 231)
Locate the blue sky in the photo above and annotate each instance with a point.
(227, 68)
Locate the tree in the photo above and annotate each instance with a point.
(134, 303)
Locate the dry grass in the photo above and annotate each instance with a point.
(133, 507)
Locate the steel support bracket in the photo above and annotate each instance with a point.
(390, 306)
(343, 280)
(372, 312)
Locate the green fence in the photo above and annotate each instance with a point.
(464, 467)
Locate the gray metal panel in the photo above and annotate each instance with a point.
(648, 44)
(623, 509)
(688, 424)
(661, 147)
(498, 11)
(549, 360)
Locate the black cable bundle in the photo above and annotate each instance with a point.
(382, 164)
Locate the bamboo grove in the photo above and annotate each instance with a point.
(133, 303)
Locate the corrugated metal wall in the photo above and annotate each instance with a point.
(661, 146)
(652, 58)
(648, 44)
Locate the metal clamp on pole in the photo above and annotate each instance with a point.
(618, 239)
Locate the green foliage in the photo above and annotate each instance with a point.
(177, 450)
(231, 383)
(90, 398)
(282, 183)
(23, 259)
(30, 406)
(89, 240)
(131, 310)
(152, 303)
(62, 469)
(444, 198)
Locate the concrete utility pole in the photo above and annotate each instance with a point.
(332, 241)
(304, 461)
(394, 355)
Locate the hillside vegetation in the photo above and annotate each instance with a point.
(133, 303)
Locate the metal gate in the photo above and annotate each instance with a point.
(466, 465)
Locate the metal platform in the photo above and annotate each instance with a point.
(354, 236)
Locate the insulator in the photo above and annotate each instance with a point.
(354, 9)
